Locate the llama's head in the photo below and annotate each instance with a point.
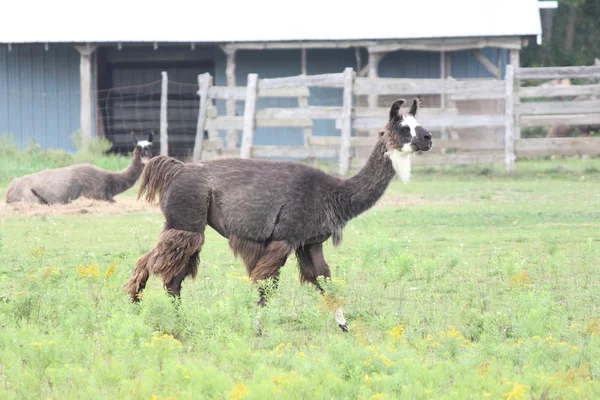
(403, 136)
(143, 147)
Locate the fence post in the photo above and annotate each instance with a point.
(346, 120)
(249, 109)
(204, 84)
(164, 123)
(509, 121)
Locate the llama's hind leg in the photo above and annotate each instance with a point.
(312, 264)
(174, 285)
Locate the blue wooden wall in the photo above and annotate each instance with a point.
(39, 94)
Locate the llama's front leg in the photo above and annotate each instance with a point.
(312, 264)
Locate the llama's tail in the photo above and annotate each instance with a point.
(157, 175)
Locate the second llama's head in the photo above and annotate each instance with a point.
(144, 147)
(403, 136)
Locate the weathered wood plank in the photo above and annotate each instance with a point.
(459, 121)
(383, 112)
(225, 122)
(487, 157)
(284, 122)
(164, 121)
(403, 86)
(323, 80)
(232, 134)
(569, 119)
(239, 92)
(293, 151)
(316, 112)
(559, 91)
(346, 120)
(509, 122)
(249, 114)
(558, 72)
(237, 122)
(555, 107)
(204, 83)
(541, 147)
(361, 141)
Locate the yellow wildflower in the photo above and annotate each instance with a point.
(238, 392)
(397, 333)
(379, 396)
(92, 270)
(517, 392)
(522, 279)
(593, 327)
(111, 270)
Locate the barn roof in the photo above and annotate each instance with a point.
(263, 20)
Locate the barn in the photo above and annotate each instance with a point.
(100, 73)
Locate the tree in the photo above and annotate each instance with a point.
(571, 36)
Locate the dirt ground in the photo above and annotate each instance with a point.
(80, 206)
(129, 205)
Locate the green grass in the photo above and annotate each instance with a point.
(463, 283)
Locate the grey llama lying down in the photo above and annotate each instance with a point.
(63, 185)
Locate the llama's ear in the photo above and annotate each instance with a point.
(414, 107)
(133, 138)
(151, 136)
(395, 110)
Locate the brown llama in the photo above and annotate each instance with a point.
(267, 209)
(63, 185)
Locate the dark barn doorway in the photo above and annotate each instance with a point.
(129, 92)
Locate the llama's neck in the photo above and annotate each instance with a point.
(368, 185)
(123, 180)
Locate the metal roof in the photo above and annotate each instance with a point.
(222, 21)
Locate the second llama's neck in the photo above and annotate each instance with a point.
(368, 185)
(123, 180)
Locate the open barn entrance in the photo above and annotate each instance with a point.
(129, 92)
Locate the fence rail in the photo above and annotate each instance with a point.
(515, 107)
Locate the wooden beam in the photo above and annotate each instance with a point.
(509, 121)
(314, 44)
(249, 114)
(85, 79)
(563, 107)
(566, 119)
(558, 72)
(450, 44)
(516, 64)
(560, 91)
(346, 120)
(323, 80)
(487, 64)
(164, 119)
(373, 63)
(204, 83)
(232, 134)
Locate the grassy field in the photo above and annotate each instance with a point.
(461, 284)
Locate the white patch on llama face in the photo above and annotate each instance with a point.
(401, 162)
(144, 144)
(339, 317)
(412, 123)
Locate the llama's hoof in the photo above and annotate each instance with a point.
(344, 327)
(259, 331)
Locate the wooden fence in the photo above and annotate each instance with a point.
(514, 110)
